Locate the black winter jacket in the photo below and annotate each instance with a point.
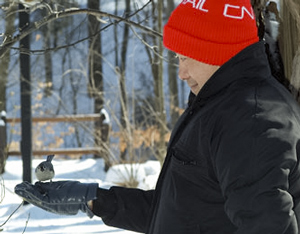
(232, 164)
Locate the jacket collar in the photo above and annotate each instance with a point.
(248, 63)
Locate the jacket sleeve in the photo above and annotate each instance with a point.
(124, 208)
(254, 157)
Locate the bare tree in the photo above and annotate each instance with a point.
(288, 39)
(4, 61)
(96, 89)
(4, 65)
(122, 83)
(159, 81)
(46, 30)
(95, 60)
(290, 43)
(172, 75)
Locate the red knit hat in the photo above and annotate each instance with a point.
(211, 31)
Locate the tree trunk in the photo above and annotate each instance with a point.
(172, 75)
(124, 108)
(157, 73)
(96, 81)
(290, 43)
(46, 30)
(95, 60)
(161, 150)
(4, 65)
(4, 61)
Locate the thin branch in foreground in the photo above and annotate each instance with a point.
(2, 187)
(26, 223)
(70, 12)
(12, 214)
(80, 40)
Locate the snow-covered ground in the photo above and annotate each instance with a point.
(36, 220)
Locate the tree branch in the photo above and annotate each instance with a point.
(70, 12)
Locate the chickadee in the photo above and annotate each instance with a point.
(45, 171)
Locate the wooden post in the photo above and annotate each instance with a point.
(26, 144)
(3, 143)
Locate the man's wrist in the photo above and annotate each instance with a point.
(90, 204)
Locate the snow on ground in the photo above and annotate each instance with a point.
(36, 220)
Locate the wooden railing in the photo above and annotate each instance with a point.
(59, 151)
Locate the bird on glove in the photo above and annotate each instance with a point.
(45, 170)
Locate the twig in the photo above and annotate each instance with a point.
(12, 214)
(81, 40)
(69, 12)
(2, 186)
(26, 223)
(147, 44)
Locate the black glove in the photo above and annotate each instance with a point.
(62, 197)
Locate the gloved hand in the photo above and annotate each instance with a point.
(61, 197)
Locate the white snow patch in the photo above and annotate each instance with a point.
(145, 174)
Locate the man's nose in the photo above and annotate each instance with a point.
(183, 73)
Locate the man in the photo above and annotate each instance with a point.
(232, 164)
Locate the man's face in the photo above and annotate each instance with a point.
(194, 72)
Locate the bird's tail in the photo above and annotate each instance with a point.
(50, 157)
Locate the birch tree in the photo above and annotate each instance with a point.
(287, 15)
(290, 43)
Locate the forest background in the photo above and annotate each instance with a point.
(84, 62)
